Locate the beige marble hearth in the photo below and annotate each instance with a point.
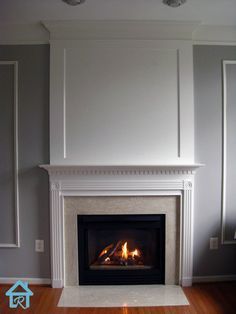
(168, 205)
(122, 296)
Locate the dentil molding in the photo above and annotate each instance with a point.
(75, 170)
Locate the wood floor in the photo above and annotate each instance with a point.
(204, 299)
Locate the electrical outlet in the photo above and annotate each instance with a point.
(214, 243)
(39, 245)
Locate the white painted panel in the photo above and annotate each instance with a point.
(121, 102)
(121, 105)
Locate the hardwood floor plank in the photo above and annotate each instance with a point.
(212, 298)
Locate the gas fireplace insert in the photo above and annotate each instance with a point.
(121, 249)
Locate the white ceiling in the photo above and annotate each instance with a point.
(211, 12)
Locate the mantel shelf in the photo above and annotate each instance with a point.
(122, 170)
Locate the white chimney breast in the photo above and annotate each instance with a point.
(121, 102)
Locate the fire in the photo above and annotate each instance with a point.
(125, 251)
(118, 254)
(135, 253)
(105, 250)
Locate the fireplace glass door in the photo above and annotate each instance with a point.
(121, 249)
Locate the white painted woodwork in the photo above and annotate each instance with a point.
(120, 29)
(41, 33)
(121, 102)
(31, 281)
(120, 181)
(121, 120)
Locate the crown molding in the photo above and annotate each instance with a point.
(43, 32)
(214, 35)
(23, 34)
(120, 29)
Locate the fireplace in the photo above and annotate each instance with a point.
(77, 190)
(121, 249)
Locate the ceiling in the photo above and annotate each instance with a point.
(210, 12)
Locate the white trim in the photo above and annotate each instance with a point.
(178, 105)
(122, 181)
(23, 42)
(64, 105)
(213, 43)
(137, 29)
(16, 155)
(115, 170)
(23, 34)
(15, 166)
(8, 245)
(31, 281)
(215, 33)
(219, 278)
(224, 155)
(117, 29)
(37, 33)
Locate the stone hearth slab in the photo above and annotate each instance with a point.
(122, 296)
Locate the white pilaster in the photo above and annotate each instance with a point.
(187, 235)
(57, 243)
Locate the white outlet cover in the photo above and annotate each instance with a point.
(39, 245)
(214, 243)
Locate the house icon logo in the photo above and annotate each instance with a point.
(19, 295)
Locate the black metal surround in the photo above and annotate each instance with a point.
(118, 223)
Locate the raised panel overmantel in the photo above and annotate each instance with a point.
(121, 181)
(121, 101)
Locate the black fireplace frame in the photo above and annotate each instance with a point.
(118, 277)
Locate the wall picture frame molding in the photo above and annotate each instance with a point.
(227, 171)
(16, 243)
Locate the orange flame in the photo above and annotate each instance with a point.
(135, 253)
(125, 251)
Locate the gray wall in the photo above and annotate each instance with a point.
(208, 150)
(33, 150)
(230, 151)
(7, 164)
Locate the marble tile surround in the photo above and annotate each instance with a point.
(122, 296)
(168, 205)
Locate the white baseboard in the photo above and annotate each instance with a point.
(57, 283)
(47, 281)
(198, 279)
(186, 282)
(32, 281)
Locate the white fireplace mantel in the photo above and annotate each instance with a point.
(74, 170)
(120, 181)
